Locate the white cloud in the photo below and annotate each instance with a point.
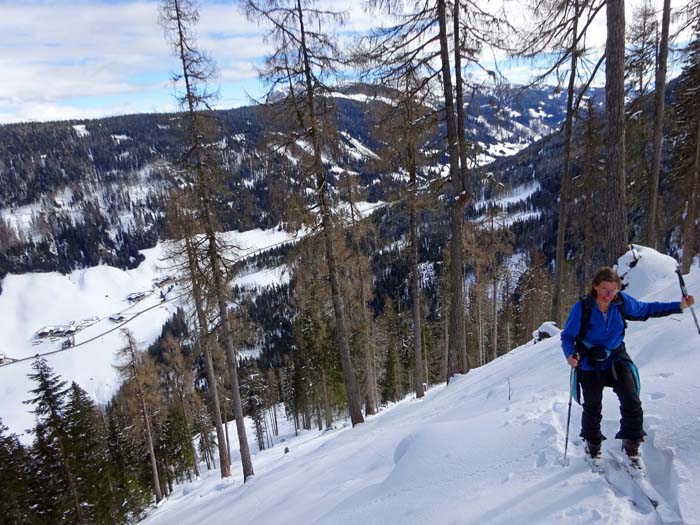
(62, 58)
(59, 59)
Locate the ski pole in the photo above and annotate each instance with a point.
(568, 416)
(684, 291)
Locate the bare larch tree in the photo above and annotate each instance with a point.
(205, 174)
(305, 56)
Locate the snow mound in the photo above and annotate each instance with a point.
(546, 330)
(649, 274)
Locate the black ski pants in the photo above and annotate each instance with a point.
(632, 416)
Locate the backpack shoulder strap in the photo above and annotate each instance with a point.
(620, 303)
(586, 309)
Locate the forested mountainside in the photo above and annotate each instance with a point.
(542, 162)
(79, 193)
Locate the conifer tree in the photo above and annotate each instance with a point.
(180, 381)
(191, 267)
(390, 383)
(531, 297)
(314, 373)
(125, 457)
(176, 445)
(642, 42)
(15, 480)
(405, 128)
(51, 436)
(306, 55)
(659, 112)
(51, 501)
(87, 447)
(359, 280)
(253, 395)
(431, 41)
(203, 174)
(131, 371)
(456, 357)
(687, 138)
(588, 194)
(559, 30)
(564, 192)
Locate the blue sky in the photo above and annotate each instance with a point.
(65, 59)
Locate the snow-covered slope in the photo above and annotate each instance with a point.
(487, 449)
(85, 300)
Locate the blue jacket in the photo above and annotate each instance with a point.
(608, 333)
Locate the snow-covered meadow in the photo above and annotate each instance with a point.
(30, 302)
(488, 448)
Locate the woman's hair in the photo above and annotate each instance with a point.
(605, 274)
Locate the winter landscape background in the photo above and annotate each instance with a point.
(339, 301)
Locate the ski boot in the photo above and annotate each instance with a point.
(634, 460)
(593, 450)
(593, 456)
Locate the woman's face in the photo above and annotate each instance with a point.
(606, 291)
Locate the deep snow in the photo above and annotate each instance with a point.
(488, 448)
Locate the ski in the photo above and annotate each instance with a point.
(645, 488)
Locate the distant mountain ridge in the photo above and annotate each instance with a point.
(78, 193)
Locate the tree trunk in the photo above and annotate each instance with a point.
(219, 292)
(326, 401)
(371, 404)
(494, 334)
(366, 340)
(425, 369)
(564, 191)
(232, 362)
(480, 328)
(462, 147)
(692, 207)
(415, 275)
(354, 404)
(274, 419)
(370, 380)
(509, 340)
(457, 346)
(222, 440)
(375, 385)
(415, 291)
(615, 211)
(228, 439)
(188, 429)
(72, 489)
(224, 460)
(659, 100)
(146, 422)
(446, 356)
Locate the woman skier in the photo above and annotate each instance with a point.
(593, 343)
